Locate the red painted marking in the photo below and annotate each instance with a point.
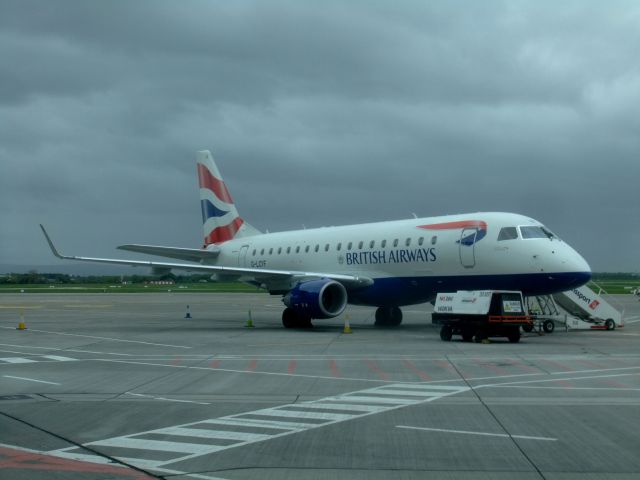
(176, 361)
(22, 460)
(253, 364)
(561, 366)
(224, 233)
(374, 368)
(452, 225)
(334, 369)
(217, 186)
(215, 363)
(292, 366)
(416, 370)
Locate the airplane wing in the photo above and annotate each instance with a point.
(189, 254)
(240, 273)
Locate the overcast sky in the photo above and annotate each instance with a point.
(318, 113)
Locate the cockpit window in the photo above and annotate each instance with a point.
(536, 232)
(508, 233)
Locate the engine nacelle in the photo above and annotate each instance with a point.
(317, 298)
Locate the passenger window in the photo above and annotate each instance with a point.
(408, 241)
(254, 252)
(306, 249)
(288, 250)
(262, 251)
(339, 247)
(372, 243)
(420, 241)
(360, 244)
(395, 242)
(279, 250)
(270, 251)
(326, 247)
(349, 245)
(508, 233)
(317, 247)
(383, 244)
(434, 239)
(298, 249)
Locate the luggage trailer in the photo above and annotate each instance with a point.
(478, 315)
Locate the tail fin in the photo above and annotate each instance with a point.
(220, 219)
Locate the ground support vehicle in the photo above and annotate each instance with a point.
(478, 315)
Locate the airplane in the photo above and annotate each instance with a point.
(386, 265)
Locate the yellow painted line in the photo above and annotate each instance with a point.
(87, 305)
(21, 307)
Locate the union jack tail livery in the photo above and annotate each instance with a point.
(220, 218)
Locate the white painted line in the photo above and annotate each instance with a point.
(343, 406)
(203, 433)
(573, 372)
(610, 389)
(254, 423)
(138, 462)
(501, 435)
(103, 338)
(424, 386)
(277, 412)
(166, 399)
(366, 399)
(60, 359)
(557, 380)
(84, 457)
(17, 360)
(405, 393)
(157, 445)
(31, 380)
(249, 372)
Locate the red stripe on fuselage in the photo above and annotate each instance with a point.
(224, 233)
(207, 180)
(461, 224)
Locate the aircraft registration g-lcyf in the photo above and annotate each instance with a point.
(385, 265)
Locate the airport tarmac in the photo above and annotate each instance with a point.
(123, 386)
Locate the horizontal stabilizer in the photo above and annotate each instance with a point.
(188, 254)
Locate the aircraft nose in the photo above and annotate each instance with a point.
(579, 271)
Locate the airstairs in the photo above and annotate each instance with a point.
(577, 309)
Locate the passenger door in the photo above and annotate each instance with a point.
(467, 247)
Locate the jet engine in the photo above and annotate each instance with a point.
(322, 298)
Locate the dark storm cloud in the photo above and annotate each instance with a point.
(319, 114)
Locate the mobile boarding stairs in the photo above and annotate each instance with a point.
(577, 309)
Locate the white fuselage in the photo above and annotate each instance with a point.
(412, 260)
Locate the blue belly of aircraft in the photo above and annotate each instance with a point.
(394, 291)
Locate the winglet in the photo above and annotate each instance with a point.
(51, 246)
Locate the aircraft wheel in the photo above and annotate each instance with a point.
(527, 328)
(610, 324)
(396, 317)
(548, 326)
(446, 333)
(291, 319)
(388, 317)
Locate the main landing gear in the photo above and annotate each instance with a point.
(291, 319)
(388, 317)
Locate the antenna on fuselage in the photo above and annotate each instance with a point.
(414, 215)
